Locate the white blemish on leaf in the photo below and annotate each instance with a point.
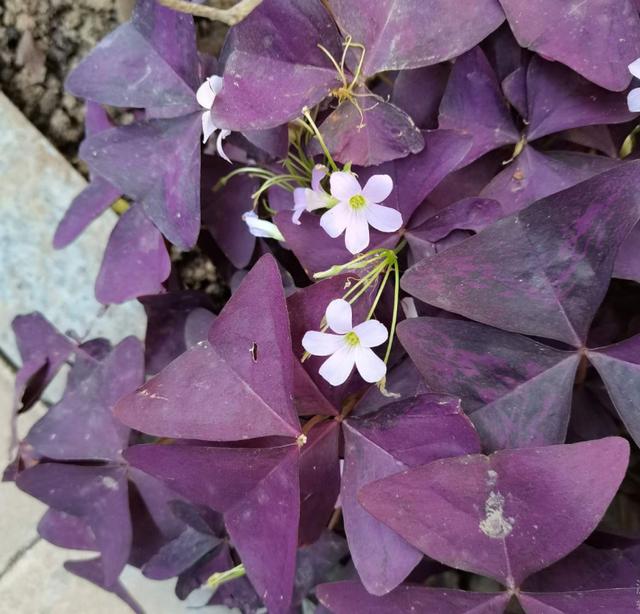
(110, 483)
(492, 478)
(494, 524)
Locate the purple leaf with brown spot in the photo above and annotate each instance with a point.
(485, 514)
(401, 435)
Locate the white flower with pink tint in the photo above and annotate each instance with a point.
(358, 208)
(205, 96)
(350, 346)
(310, 199)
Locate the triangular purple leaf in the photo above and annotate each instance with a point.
(258, 492)
(378, 133)
(557, 31)
(350, 597)
(157, 163)
(619, 367)
(401, 435)
(236, 386)
(559, 99)
(485, 514)
(516, 390)
(473, 104)
(98, 494)
(131, 67)
(135, 261)
(273, 66)
(534, 175)
(81, 426)
(415, 33)
(543, 271)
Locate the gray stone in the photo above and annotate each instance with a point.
(37, 186)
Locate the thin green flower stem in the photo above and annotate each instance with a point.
(374, 273)
(383, 283)
(218, 578)
(366, 280)
(307, 127)
(333, 165)
(294, 162)
(254, 171)
(282, 180)
(396, 303)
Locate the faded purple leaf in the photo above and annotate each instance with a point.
(557, 30)
(349, 597)
(543, 271)
(157, 163)
(135, 261)
(378, 133)
(401, 35)
(473, 104)
(81, 426)
(258, 492)
(273, 66)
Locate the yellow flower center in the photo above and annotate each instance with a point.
(357, 202)
(351, 339)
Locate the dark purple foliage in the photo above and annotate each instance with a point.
(495, 465)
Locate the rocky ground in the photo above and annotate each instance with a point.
(42, 40)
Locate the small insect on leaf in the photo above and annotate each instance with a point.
(253, 350)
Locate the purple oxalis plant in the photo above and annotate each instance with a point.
(423, 394)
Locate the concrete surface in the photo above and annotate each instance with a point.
(37, 186)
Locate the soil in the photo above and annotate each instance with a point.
(40, 43)
(42, 40)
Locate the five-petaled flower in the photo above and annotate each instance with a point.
(350, 346)
(310, 199)
(205, 95)
(357, 208)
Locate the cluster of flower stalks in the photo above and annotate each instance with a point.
(423, 393)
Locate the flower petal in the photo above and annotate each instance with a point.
(216, 82)
(261, 228)
(335, 220)
(299, 204)
(382, 218)
(208, 127)
(371, 368)
(371, 333)
(633, 100)
(318, 173)
(378, 188)
(634, 68)
(356, 237)
(337, 368)
(205, 95)
(222, 135)
(338, 316)
(321, 344)
(343, 185)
